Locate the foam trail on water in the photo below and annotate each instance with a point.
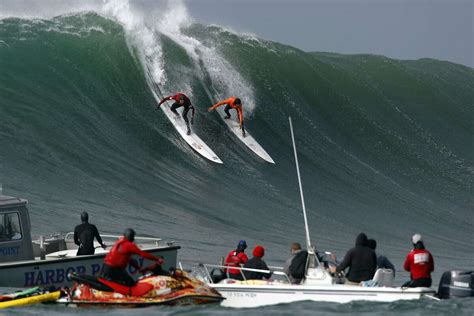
(225, 79)
(141, 39)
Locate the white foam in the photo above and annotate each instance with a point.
(140, 38)
(46, 9)
(226, 80)
(4, 43)
(142, 27)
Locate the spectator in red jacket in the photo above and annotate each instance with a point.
(120, 256)
(419, 263)
(236, 258)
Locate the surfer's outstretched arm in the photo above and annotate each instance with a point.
(164, 100)
(226, 101)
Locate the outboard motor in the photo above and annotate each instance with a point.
(456, 284)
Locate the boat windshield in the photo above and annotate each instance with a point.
(10, 226)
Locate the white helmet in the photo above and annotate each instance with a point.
(416, 238)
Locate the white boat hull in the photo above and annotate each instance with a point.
(248, 296)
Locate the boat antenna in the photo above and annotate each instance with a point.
(308, 240)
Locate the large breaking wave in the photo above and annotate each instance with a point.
(385, 145)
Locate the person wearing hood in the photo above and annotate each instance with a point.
(236, 258)
(361, 261)
(257, 263)
(382, 261)
(419, 263)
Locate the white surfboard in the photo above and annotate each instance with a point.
(193, 140)
(248, 140)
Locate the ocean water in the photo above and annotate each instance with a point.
(385, 146)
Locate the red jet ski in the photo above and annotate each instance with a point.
(175, 289)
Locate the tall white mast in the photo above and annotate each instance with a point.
(308, 240)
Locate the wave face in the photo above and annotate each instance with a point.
(385, 146)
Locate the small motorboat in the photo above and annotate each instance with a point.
(48, 261)
(320, 285)
(176, 289)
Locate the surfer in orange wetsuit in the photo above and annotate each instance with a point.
(232, 103)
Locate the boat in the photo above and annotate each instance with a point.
(318, 285)
(175, 289)
(48, 261)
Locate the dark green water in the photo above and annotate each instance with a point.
(385, 146)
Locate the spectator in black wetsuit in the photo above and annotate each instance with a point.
(382, 261)
(361, 260)
(257, 263)
(84, 236)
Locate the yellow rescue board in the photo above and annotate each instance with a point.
(31, 300)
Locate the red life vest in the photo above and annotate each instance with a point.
(117, 256)
(235, 259)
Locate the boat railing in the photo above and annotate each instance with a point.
(241, 269)
(70, 238)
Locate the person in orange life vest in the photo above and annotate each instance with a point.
(236, 258)
(180, 100)
(232, 103)
(419, 263)
(120, 256)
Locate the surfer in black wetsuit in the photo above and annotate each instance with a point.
(180, 100)
(84, 236)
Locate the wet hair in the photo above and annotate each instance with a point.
(237, 101)
(296, 246)
(84, 217)
(182, 97)
(419, 245)
(129, 234)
